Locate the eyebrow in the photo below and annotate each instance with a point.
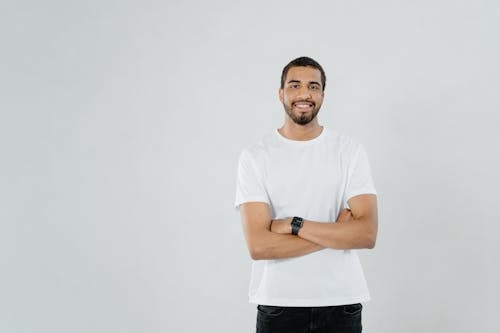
(297, 81)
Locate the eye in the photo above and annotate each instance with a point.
(295, 86)
(314, 87)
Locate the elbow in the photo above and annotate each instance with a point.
(256, 253)
(257, 256)
(371, 239)
(258, 248)
(370, 244)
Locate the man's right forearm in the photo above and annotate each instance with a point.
(263, 243)
(271, 245)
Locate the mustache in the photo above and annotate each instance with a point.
(304, 101)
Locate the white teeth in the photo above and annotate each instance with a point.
(303, 105)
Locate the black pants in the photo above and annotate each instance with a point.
(324, 319)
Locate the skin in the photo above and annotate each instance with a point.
(355, 228)
(358, 233)
(302, 84)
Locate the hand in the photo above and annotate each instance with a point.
(282, 226)
(345, 215)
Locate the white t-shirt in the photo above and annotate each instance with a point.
(312, 179)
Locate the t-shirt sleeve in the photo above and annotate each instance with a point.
(360, 179)
(249, 183)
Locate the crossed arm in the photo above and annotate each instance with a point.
(355, 228)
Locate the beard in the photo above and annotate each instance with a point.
(303, 118)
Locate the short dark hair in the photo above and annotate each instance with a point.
(303, 62)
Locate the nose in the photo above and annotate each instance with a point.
(304, 93)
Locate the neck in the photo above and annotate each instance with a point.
(293, 131)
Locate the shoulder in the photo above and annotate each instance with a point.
(346, 145)
(259, 150)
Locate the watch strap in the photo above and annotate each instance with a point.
(297, 223)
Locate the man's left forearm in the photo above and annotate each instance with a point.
(356, 234)
(355, 228)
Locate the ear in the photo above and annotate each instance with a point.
(280, 93)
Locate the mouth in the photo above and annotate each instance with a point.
(303, 105)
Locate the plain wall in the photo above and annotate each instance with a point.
(120, 127)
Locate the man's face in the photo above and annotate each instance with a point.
(302, 94)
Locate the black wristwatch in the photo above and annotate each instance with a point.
(297, 223)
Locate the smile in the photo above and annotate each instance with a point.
(303, 105)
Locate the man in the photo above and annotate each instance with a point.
(307, 200)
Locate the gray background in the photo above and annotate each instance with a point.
(120, 127)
